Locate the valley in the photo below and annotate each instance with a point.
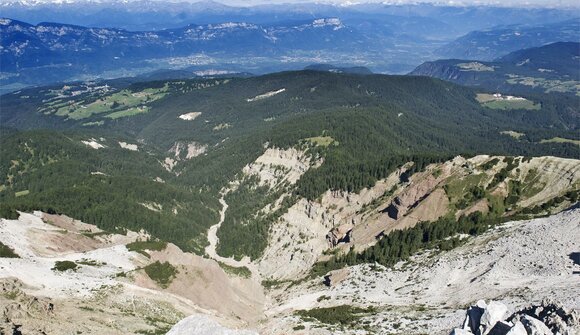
(406, 297)
(217, 169)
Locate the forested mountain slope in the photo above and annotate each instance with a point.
(193, 137)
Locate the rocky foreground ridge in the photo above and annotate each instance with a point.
(545, 318)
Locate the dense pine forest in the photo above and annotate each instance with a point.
(377, 124)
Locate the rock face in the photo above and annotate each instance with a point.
(187, 150)
(544, 319)
(492, 315)
(408, 199)
(336, 276)
(553, 317)
(340, 234)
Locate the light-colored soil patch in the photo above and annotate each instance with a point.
(93, 144)
(108, 285)
(266, 95)
(200, 324)
(128, 146)
(203, 281)
(189, 116)
(276, 166)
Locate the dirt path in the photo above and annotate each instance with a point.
(210, 250)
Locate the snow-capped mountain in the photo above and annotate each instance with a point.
(25, 46)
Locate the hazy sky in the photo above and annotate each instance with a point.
(523, 3)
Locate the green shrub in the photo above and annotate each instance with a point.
(237, 271)
(64, 266)
(162, 273)
(146, 245)
(7, 252)
(343, 315)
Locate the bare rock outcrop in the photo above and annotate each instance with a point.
(410, 197)
(335, 277)
(544, 319)
(340, 234)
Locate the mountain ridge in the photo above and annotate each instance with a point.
(548, 68)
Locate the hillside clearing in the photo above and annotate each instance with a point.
(561, 140)
(512, 133)
(508, 102)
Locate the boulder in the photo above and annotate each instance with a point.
(473, 317)
(494, 312)
(546, 318)
(554, 316)
(336, 276)
(534, 326)
(500, 328)
(340, 234)
(517, 329)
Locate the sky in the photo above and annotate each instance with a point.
(523, 3)
(518, 3)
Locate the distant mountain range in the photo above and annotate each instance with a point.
(146, 15)
(550, 68)
(53, 44)
(30, 53)
(487, 45)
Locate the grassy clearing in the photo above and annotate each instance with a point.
(321, 141)
(550, 85)
(506, 102)
(123, 103)
(22, 193)
(457, 188)
(561, 140)
(532, 185)
(484, 97)
(512, 104)
(513, 134)
(128, 112)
